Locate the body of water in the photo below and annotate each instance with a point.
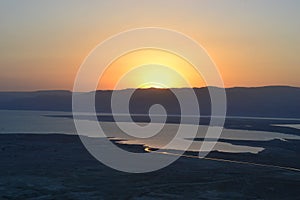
(43, 122)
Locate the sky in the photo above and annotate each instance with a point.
(253, 42)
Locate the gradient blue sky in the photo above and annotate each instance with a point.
(253, 42)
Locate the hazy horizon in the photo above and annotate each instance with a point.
(41, 90)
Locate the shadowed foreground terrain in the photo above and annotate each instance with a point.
(58, 167)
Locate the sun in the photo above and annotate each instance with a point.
(152, 85)
(150, 68)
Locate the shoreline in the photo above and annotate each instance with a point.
(143, 148)
(57, 166)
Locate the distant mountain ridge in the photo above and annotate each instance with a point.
(268, 101)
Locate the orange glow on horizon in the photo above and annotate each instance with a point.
(150, 68)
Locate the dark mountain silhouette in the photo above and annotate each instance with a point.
(270, 101)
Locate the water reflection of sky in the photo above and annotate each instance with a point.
(38, 122)
(227, 134)
(296, 126)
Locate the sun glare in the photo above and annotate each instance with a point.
(150, 68)
(152, 85)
